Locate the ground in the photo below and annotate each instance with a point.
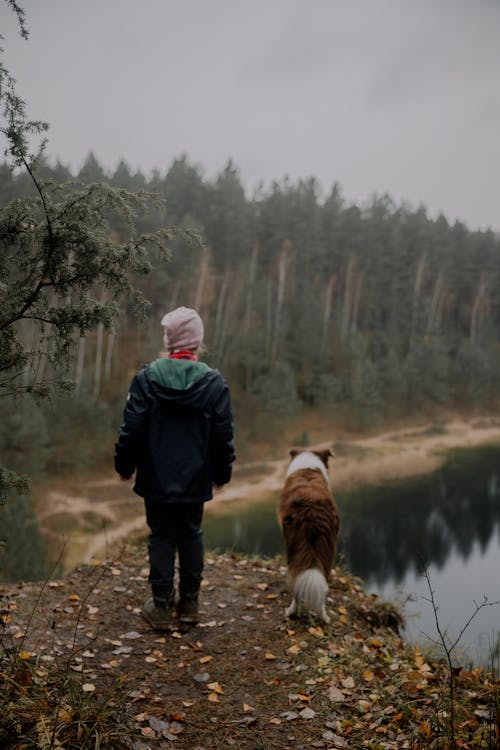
(79, 662)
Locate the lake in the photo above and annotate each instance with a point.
(447, 522)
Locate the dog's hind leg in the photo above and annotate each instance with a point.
(324, 616)
(292, 609)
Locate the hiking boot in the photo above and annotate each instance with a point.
(187, 607)
(158, 612)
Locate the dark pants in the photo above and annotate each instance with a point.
(174, 527)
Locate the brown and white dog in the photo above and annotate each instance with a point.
(310, 524)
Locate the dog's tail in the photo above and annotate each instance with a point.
(309, 589)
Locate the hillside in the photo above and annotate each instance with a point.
(82, 669)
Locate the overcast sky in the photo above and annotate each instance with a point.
(396, 96)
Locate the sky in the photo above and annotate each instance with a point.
(382, 96)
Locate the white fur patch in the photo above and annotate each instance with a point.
(307, 460)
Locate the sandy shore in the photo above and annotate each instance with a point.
(384, 457)
(92, 518)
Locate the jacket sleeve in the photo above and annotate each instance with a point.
(134, 421)
(222, 440)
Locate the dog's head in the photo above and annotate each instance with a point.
(324, 454)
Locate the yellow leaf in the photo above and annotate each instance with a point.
(74, 598)
(343, 619)
(419, 659)
(262, 586)
(215, 687)
(294, 649)
(317, 631)
(368, 675)
(303, 697)
(376, 643)
(246, 707)
(275, 721)
(425, 729)
(206, 659)
(187, 704)
(213, 697)
(271, 596)
(342, 610)
(269, 656)
(24, 655)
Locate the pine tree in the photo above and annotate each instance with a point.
(63, 271)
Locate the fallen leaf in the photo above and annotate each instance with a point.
(348, 683)
(368, 675)
(269, 656)
(213, 697)
(262, 586)
(425, 729)
(275, 720)
(73, 598)
(294, 649)
(215, 687)
(148, 732)
(317, 631)
(88, 687)
(307, 713)
(336, 695)
(246, 707)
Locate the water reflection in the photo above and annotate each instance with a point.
(392, 530)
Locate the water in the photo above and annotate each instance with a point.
(447, 523)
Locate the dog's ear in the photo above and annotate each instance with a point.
(294, 452)
(324, 455)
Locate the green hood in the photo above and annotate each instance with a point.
(179, 374)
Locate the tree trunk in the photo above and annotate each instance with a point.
(98, 352)
(346, 315)
(419, 275)
(282, 266)
(476, 309)
(201, 278)
(327, 311)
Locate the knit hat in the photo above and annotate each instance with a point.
(183, 329)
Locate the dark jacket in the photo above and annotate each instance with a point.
(177, 431)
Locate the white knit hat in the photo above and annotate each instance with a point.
(183, 329)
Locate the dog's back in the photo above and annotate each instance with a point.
(310, 522)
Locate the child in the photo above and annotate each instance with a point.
(178, 437)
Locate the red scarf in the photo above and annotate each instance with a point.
(183, 354)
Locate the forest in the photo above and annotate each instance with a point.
(360, 314)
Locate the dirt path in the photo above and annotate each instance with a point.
(96, 516)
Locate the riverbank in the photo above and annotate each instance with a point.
(85, 519)
(397, 454)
